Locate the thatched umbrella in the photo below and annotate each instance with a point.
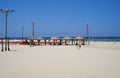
(55, 40)
(36, 38)
(31, 38)
(79, 38)
(39, 39)
(67, 39)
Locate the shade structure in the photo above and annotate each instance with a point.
(31, 41)
(67, 40)
(39, 38)
(55, 40)
(30, 38)
(79, 40)
(36, 38)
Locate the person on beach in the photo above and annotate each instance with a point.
(76, 45)
(79, 46)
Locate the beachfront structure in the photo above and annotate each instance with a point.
(55, 40)
(67, 40)
(37, 41)
(79, 40)
(51, 41)
(40, 41)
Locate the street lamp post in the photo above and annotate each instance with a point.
(22, 33)
(33, 24)
(87, 31)
(2, 45)
(6, 27)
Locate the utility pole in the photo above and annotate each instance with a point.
(87, 32)
(2, 45)
(22, 33)
(6, 27)
(33, 24)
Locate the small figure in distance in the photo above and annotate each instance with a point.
(76, 45)
(79, 46)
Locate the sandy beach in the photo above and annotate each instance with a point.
(97, 60)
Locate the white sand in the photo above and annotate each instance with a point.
(99, 60)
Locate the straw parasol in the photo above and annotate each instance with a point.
(79, 38)
(36, 38)
(55, 38)
(67, 40)
(31, 38)
(39, 38)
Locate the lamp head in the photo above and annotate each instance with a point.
(7, 10)
(12, 10)
(1, 10)
(33, 22)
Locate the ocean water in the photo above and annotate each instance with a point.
(105, 39)
(94, 39)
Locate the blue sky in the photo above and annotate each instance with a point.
(61, 17)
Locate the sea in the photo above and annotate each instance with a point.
(94, 39)
(104, 39)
